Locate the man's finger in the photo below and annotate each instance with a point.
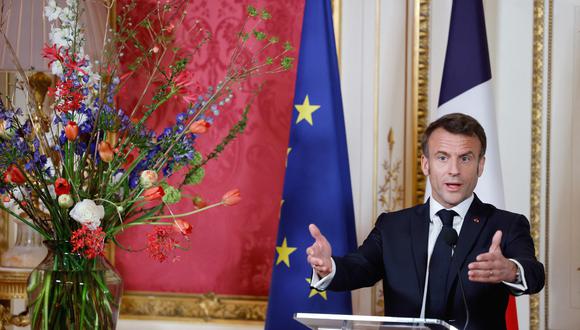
(483, 276)
(314, 261)
(484, 265)
(495, 242)
(488, 256)
(314, 231)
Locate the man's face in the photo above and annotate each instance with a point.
(453, 166)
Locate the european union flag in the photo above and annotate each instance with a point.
(317, 183)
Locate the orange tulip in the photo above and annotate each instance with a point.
(71, 130)
(183, 227)
(153, 193)
(106, 151)
(199, 127)
(232, 197)
(14, 175)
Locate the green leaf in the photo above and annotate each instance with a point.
(145, 23)
(269, 60)
(286, 62)
(288, 46)
(252, 12)
(274, 40)
(265, 15)
(259, 35)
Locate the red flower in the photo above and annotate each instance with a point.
(160, 243)
(67, 96)
(73, 65)
(184, 79)
(232, 197)
(52, 54)
(153, 193)
(187, 88)
(183, 227)
(14, 175)
(199, 127)
(61, 186)
(91, 243)
(71, 130)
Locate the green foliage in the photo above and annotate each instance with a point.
(194, 176)
(172, 194)
(286, 62)
(252, 11)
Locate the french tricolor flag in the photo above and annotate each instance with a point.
(466, 87)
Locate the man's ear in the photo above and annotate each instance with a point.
(425, 165)
(480, 166)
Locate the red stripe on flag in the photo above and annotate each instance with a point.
(511, 314)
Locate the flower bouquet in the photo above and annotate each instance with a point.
(82, 170)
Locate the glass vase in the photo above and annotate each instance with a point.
(69, 291)
(27, 251)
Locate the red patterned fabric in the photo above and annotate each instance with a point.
(232, 248)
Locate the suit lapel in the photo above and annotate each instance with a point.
(419, 236)
(473, 223)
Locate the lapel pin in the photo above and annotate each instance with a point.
(476, 220)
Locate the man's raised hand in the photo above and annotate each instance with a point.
(492, 266)
(319, 253)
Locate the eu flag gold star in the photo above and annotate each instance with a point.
(314, 292)
(305, 111)
(284, 252)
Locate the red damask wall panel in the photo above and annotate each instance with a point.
(231, 248)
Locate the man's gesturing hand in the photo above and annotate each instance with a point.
(492, 267)
(319, 253)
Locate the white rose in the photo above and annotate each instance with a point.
(87, 213)
(148, 178)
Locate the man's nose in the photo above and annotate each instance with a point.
(454, 167)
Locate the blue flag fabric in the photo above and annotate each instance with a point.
(317, 183)
(467, 56)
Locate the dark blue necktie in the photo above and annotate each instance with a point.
(436, 306)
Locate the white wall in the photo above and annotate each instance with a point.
(373, 62)
(564, 254)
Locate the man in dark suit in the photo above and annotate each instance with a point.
(494, 253)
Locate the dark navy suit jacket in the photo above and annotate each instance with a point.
(396, 251)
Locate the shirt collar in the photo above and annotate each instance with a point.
(460, 208)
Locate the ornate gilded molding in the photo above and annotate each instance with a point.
(391, 192)
(13, 283)
(548, 158)
(391, 196)
(420, 95)
(536, 143)
(207, 307)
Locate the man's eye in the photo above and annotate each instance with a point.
(442, 158)
(466, 159)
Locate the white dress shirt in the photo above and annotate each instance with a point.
(435, 227)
